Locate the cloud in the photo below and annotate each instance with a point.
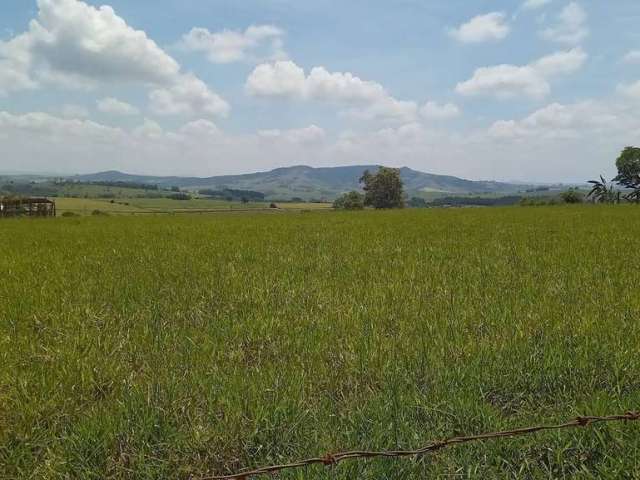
(308, 135)
(74, 45)
(230, 46)
(535, 4)
(555, 143)
(73, 42)
(532, 80)
(571, 26)
(630, 90)
(435, 111)
(632, 57)
(190, 96)
(557, 121)
(74, 111)
(279, 79)
(482, 28)
(40, 140)
(114, 106)
(285, 79)
(43, 126)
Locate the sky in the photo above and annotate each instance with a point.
(519, 90)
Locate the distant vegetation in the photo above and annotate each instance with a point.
(115, 184)
(475, 201)
(234, 195)
(179, 196)
(349, 201)
(316, 184)
(628, 178)
(383, 189)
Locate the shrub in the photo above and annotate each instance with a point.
(417, 202)
(572, 196)
(179, 196)
(349, 201)
(99, 213)
(69, 214)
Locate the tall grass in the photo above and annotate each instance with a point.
(148, 348)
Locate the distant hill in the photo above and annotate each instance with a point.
(311, 183)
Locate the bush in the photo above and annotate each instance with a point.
(349, 201)
(572, 196)
(179, 196)
(69, 214)
(99, 213)
(417, 202)
(273, 205)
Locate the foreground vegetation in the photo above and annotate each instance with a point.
(161, 347)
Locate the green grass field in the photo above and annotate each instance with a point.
(139, 206)
(152, 347)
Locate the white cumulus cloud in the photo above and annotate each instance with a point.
(114, 106)
(288, 80)
(558, 121)
(72, 44)
(535, 4)
(257, 41)
(188, 96)
(532, 80)
(436, 111)
(571, 26)
(492, 26)
(307, 135)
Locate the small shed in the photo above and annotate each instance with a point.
(27, 207)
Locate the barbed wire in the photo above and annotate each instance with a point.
(332, 459)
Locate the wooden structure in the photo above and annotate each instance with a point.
(27, 207)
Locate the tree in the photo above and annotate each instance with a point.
(349, 201)
(628, 164)
(383, 189)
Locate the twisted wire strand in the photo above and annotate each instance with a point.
(331, 459)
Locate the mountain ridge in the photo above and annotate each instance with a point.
(306, 182)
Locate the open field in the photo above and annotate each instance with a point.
(149, 347)
(138, 206)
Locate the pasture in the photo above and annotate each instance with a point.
(149, 347)
(141, 206)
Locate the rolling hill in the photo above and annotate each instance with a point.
(312, 183)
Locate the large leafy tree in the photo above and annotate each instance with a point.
(383, 189)
(628, 164)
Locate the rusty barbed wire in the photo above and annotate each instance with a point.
(335, 458)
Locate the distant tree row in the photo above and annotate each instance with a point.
(233, 194)
(108, 183)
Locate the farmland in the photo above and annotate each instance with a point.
(141, 206)
(148, 347)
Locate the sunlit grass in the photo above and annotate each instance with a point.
(163, 347)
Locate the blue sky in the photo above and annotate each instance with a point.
(531, 90)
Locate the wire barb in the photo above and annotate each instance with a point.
(333, 459)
